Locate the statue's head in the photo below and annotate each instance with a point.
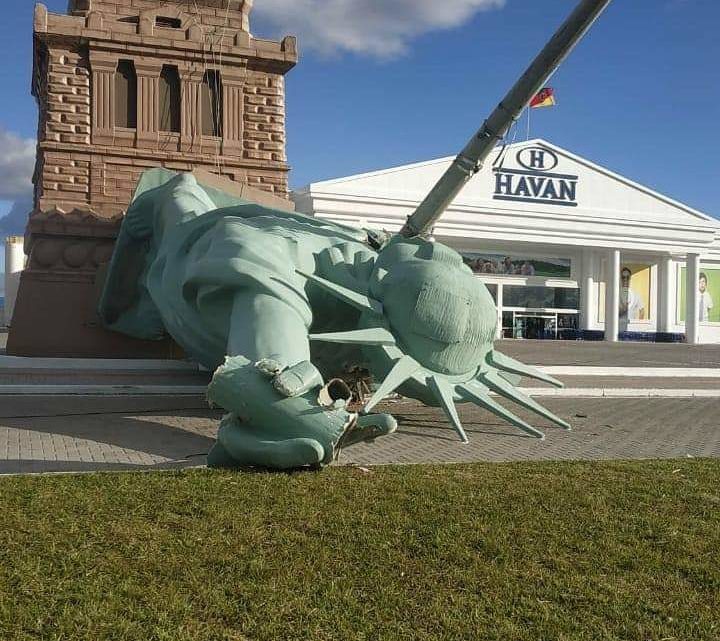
(440, 313)
(427, 328)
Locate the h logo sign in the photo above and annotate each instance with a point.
(535, 182)
(537, 158)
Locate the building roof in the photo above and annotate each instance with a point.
(565, 199)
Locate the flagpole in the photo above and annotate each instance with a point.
(529, 109)
(470, 160)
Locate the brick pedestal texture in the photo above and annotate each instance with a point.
(122, 86)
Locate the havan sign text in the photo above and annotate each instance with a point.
(536, 183)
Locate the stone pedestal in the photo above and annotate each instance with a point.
(88, 162)
(56, 315)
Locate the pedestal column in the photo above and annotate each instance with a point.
(233, 81)
(103, 97)
(612, 296)
(692, 299)
(148, 108)
(191, 121)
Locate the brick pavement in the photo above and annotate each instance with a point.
(58, 434)
(603, 429)
(623, 354)
(630, 382)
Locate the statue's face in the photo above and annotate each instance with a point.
(440, 313)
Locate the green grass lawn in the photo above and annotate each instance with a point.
(549, 551)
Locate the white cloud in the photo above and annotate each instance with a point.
(380, 28)
(17, 160)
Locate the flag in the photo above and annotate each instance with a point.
(544, 98)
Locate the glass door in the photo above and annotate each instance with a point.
(534, 326)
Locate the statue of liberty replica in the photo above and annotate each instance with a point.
(279, 304)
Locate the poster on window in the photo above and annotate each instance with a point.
(634, 294)
(708, 291)
(500, 264)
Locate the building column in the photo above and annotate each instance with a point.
(14, 264)
(665, 296)
(148, 106)
(499, 306)
(692, 299)
(612, 296)
(587, 290)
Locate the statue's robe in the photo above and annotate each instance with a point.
(186, 276)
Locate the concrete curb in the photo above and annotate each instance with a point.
(118, 364)
(624, 392)
(200, 390)
(103, 390)
(634, 372)
(103, 364)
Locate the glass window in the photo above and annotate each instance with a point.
(167, 22)
(126, 95)
(501, 264)
(169, 99)
(212, 115)
(493, 291)
(541, 297)
(567, 321)
(507, 324)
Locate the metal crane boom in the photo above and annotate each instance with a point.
(471, 158)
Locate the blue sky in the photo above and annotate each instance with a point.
(386, 83)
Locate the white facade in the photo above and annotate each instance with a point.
(537, 202)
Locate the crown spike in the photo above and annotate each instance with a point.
(477, 393)
(507, 364)
(403, 370)
(357, 300)
(444, 393)
(371, 336)
(498, 384)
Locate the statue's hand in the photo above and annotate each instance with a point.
(139, 221)
(296, 380)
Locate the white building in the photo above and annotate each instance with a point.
(558, 239)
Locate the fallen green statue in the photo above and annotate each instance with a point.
(280, 305)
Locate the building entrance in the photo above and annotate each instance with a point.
(534, 326)
(538, 325)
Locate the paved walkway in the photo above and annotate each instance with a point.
(84, 433)
(60, 434)
(172, 426)
(621, 354)
(603, 429)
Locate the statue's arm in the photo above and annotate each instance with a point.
(263, 326)
(269, 424)
(272, 392)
